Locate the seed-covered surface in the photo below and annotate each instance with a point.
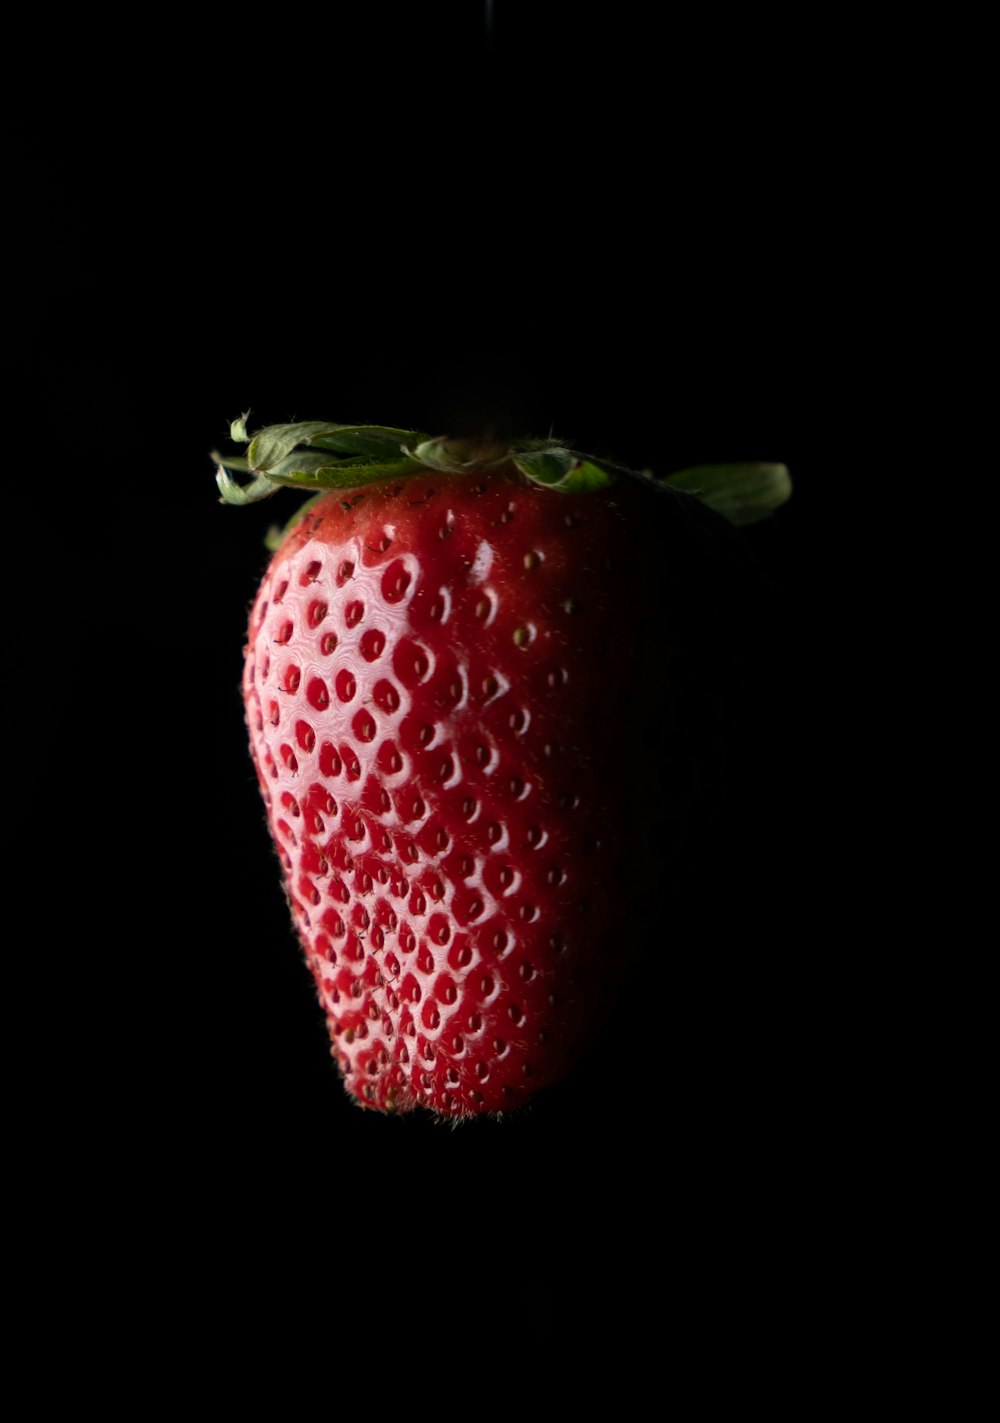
(442, 687)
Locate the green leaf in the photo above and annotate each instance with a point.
(252, 493)
(741, 493)
(440, 453)
(381, 440)
(561, 469)
(297, 454)
(345, 474)
(271, 446)
(275, 442)
(302, 463)
(239, 462)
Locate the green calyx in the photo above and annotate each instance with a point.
(316, 456)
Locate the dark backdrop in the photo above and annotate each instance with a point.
(642, 240)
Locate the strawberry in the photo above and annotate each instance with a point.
(469, 691)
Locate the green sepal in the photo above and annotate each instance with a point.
(264, 485)
(299, 471)
(298, 455)
(239, 462)
(442, 453)
(561, 469)
(252, 493)
(741, 493)
(379, 440)
(271, 446)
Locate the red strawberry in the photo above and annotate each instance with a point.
(464, 686)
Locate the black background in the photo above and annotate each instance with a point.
(649, 242)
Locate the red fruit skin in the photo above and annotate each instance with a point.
(460, 703)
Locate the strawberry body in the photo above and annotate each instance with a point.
(462, 696)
